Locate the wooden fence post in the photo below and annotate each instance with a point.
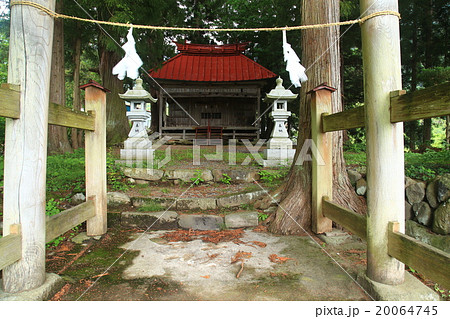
(385, 158)
(30, 54)
(95, 149)
(322, 175)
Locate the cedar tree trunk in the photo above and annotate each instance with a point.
(76, 136)
(58, 140)
(320, 55)
(117, 126)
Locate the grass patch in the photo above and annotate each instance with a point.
(151, 206)
(424, 166)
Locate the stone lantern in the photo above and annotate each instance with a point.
(137, 146)
(279, 147)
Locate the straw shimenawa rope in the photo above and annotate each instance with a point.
(128, 25)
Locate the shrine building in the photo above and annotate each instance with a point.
(210, 91)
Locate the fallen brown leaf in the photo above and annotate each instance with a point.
(240, 256)
(260, 244)
(277, 259)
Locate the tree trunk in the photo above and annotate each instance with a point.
(447, 132)
(117, 127)
(320, 54)
(58, 140)
(76, 135)
(428, 33)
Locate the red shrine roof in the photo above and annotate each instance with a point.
(211, 63)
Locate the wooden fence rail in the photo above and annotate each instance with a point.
(63, 116)
(346, 218)
(10, 99)
(68, 219)
(427, 260)
(57, 114)
(430, 102)
(11, 247)
(348, 119)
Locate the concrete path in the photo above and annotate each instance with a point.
(127, 265)
(205, 271)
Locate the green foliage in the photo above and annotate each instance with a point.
(115, 178)
(246, 206)
(51, 207)
(66, 172)
(272, 177)
(226, 179)
(418, 166)
(433, 76)
(428, 165)
(4, 51)
(444, 293)
(355, 158)
(262, 216)
(197, 179)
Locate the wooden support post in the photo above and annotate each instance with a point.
(160, 112)
(385, 158)
(96, 157)
(30, 54)
(258, 112)
(322, 175)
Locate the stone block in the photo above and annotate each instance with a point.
(196, 203)
(431, 194)
(143, 201)
(147, 174)
(354, 176)
(423, 213)
(239, 199)
(154, 220)
(423, 234)
(78, 199)
(200, 222)
(115, 199)
(408, 211)
(241, 219)
(443, 188)
(236, 175)
(441, 221)
(187, 175)
(415, 193)
(361, 187)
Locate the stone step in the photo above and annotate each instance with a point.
(199, 203)
(173, 220)
(188, 175)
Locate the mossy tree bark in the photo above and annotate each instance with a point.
(320, 55)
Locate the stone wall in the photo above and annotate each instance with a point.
(425, 203)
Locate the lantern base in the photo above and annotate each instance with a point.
(278, 157)
(137, 150)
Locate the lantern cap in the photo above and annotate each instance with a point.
(280, 93)
(138, 93)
